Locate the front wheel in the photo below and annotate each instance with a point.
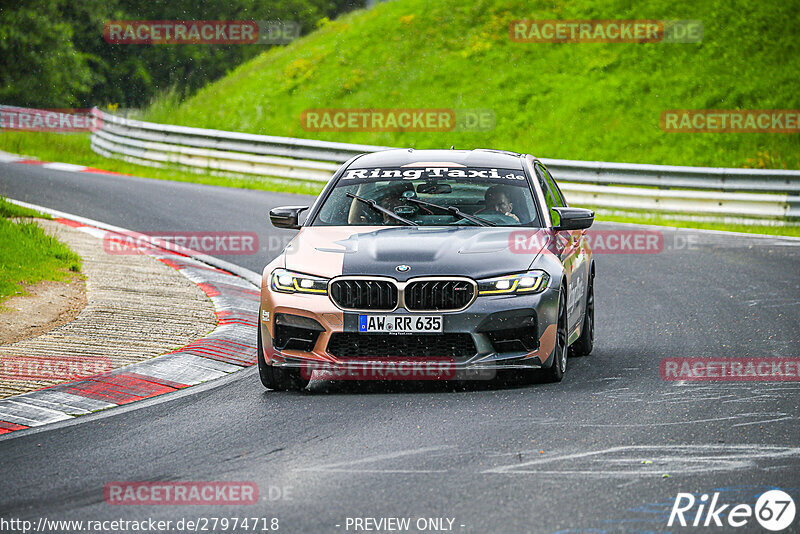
(277, 378)
(555, 373)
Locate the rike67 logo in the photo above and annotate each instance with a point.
(774, 510)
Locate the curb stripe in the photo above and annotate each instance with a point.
(178, 265)
(6, 427)
(69, 167)
(94, 170)
(56, 166)
(114, 393)
(158, 381)
(67, 222)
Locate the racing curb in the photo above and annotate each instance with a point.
(6, 157)
(230, 347)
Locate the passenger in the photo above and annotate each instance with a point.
(498, 201)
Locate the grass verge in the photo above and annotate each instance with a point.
(665, 220)
(29, 254)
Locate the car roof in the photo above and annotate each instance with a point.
(478, 157)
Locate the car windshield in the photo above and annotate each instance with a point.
(430, 196)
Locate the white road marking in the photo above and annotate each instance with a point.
(672, 459)
(346, 466)
(763, 421)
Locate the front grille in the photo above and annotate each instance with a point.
(356, 345)
(438, 295)
(364, 294)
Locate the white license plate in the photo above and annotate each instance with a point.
(400, 324)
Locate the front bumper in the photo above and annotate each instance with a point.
(508, 332)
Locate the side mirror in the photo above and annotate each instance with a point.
(574, 218)
(286, 216)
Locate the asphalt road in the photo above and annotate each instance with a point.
(607, 450)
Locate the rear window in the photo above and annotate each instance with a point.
(430, 196)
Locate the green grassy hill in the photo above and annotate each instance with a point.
(588, 101)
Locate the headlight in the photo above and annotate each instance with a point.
(289, 282)
(530, 282)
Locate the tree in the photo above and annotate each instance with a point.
(39, 62)
(53, 54)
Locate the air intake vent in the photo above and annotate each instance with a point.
(356, 345)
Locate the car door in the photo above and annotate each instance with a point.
(572, 247)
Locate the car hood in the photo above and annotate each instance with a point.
(476, 252)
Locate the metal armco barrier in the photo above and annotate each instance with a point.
(708, 191)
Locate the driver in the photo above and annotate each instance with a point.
(498, 200)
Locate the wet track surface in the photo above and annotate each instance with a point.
(588, 454)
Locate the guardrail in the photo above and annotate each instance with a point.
(754, 193)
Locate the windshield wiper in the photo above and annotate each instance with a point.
(455, 211)
(374, 205)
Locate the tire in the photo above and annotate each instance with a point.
(585, 343)
(555, 373)
(277, 378)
